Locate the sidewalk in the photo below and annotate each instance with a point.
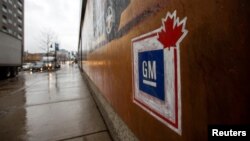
(50, 106)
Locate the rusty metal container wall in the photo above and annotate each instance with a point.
(214, 62)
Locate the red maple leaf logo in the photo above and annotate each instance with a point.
(172, 31)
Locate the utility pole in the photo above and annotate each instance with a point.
(56, 49)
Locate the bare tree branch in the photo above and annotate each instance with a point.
(46, 38)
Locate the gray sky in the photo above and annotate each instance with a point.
(60, 16)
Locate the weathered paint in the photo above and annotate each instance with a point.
(213, 60)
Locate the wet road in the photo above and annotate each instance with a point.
(49, 106)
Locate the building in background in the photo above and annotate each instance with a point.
(63, 55)
(11, 36)
(32, 57)
(12, 18)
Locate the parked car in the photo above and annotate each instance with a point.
(27, 66)
(38, 66)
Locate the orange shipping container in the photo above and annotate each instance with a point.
(168, 68)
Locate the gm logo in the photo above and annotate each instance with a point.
(151, 73)
(156, 71)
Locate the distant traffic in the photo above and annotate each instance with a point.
(45, 64)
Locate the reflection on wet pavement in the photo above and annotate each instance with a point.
(49, 106)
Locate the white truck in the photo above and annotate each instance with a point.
(50, 63)
(11, 50)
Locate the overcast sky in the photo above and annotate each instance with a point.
(60, 16)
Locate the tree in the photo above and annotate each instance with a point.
(47, 38)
